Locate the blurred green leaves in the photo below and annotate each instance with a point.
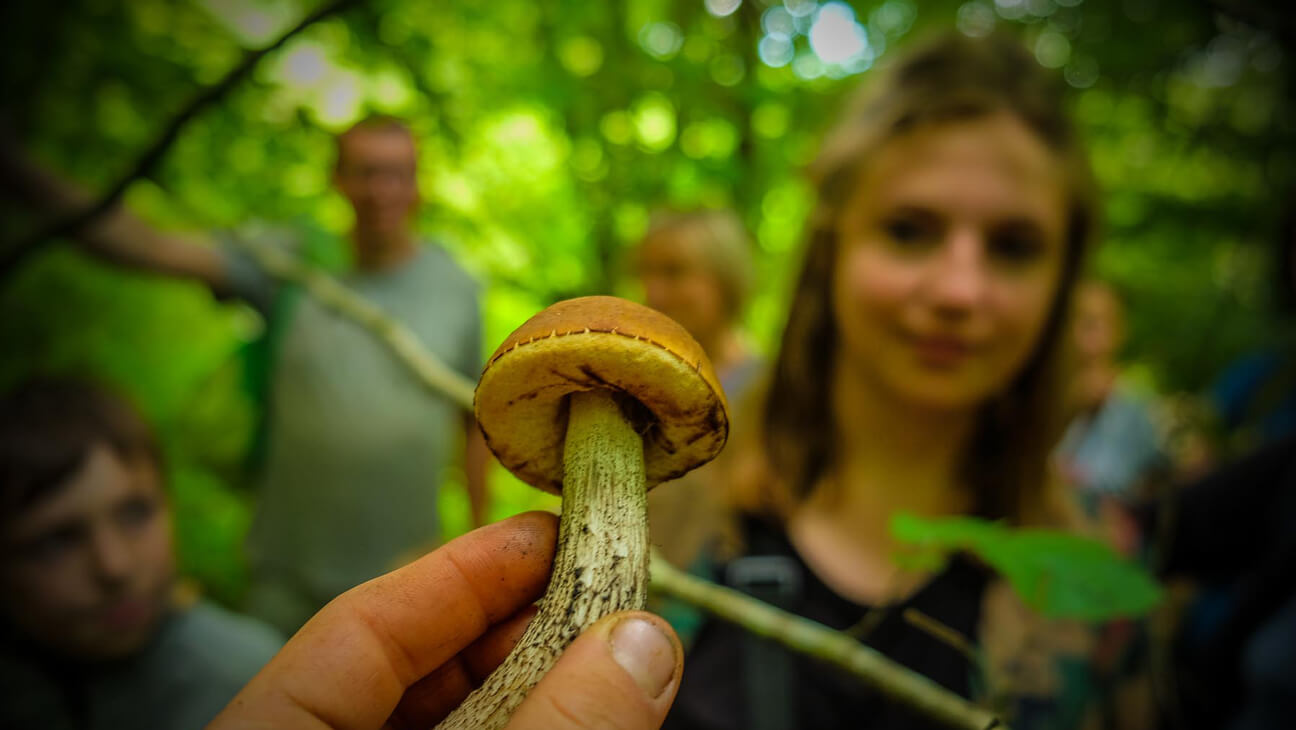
(550, 131)
(1056, 573)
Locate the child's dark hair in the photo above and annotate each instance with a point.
(48, 427)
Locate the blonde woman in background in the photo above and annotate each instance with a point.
(695, 266)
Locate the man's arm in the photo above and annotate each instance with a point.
(117, 236)
(476, 460)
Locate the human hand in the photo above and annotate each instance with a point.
(403, 650)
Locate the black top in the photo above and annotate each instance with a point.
(1234, 531)
(717, 686)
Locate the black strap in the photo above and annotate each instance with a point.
(767, 669)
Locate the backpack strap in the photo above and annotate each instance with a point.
(770, 576)
(259, 360)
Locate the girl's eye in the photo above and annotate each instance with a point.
(1016, 246)
(909, 232)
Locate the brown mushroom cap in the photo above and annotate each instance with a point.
(600, 342)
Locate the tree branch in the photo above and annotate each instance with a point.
(797, 634)
(14, 255)
(404, 344)
(820, 642)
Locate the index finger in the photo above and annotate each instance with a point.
(377, 639)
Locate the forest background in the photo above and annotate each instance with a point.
(551, 129)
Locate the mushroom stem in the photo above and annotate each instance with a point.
(601, 565)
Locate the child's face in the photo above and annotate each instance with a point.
(87, 571)
(1099, 326)
(950, 253)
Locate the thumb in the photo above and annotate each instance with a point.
(621, 674)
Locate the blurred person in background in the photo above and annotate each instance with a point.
(92, 632)
(696, 267)
(351, 447)
(1228, 541)
(1232, 534)
(920, 371)
(1112, 448)
(1255, 397)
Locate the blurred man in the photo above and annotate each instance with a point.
(89, 634)
(354, 445)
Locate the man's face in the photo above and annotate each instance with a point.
(87, 571)
(376, 173)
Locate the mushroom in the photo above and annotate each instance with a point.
(597, 399)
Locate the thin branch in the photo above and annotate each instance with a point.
(942, 633)
(436, 375)
(820, 642)
(147, 160)
(798, 634)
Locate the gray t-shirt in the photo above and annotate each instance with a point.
(355, 444)
(195, 665)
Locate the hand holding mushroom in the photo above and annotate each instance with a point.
(404, 649)
(599, 400)
(596, 399)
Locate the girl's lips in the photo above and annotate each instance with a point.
(941, 351)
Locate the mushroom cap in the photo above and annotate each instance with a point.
(674, 398)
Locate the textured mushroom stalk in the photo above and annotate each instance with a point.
(599, 400)
(601, 566)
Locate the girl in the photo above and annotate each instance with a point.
(918, 372)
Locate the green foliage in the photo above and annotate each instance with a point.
(1056, 573)
(549, 133)
(211, 521)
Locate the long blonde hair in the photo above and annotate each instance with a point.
(724, 245)
(950, 79)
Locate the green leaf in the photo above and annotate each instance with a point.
(1058, 574)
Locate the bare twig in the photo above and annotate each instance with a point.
(941, 632)
(433, 373)
(12, 256)
(820, 642)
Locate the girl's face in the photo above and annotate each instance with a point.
(950, 251)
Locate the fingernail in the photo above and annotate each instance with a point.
(646, 653)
